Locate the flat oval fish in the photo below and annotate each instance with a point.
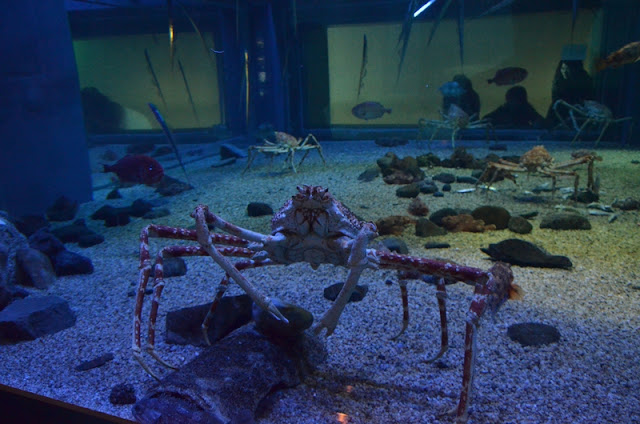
(509, 76)
(140, 169)
(369, 110)
(628, 53)
(451, 89)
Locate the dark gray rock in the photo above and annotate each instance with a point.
(90, 239)
(33, 317)
(587, 196)
(34, 269)
(331, 292)
(230, 151)
(466, 179)
(74, 233)
(259, 209)
(170, 186)
(71, 263)
(437, 245)
(299, 320)
(495, 215)
(11, 240)
(174, 267)
(533, 334)
(438, 215)
(184, 325)
(139, 208)
(396, 245)
(95, 362)
(123, 394)
(445, 177)
(519, 225)
(524, 253)
(627, 204)
(565, 221)
(408, 191)
(29, 224)
(63, 209)
(438, 194)
(428, 187)
(227, 381)
(446, 187)
(427, 228)
(369, 174)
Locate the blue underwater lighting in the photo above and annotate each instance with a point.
(423, 8)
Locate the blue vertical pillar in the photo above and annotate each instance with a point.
(43, 149)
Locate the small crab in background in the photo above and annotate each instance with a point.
(588, 113)
(286, 143)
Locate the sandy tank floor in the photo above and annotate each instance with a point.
(592, 375)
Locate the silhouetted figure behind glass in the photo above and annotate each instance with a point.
(572, 84)
(469, 101)
(516, 112)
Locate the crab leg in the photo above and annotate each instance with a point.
(441, 295)
(359, 259)
(205, 239)
(405, 307)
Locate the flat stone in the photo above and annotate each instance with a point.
(533, 334)
(33, 317)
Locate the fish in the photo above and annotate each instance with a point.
(172, 37)
(186, 86)
(140, 169)
(403, 38)
(509, 76)
(628, 53)
(169, 135)
(154, 77)
(495, 8)
(369, 110)
(452, 89)
(363, 65)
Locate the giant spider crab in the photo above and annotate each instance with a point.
(454, 120)
(539, 161)
(588, 113)
(315, 228)
(286, 143)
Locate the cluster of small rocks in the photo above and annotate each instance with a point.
(117, 216)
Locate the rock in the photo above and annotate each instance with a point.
(34, 269)
(259, 209)
(33, 317)
(427, 228)
(438, 194)
(174, 267)
(369, 174)
(587, 196)
(394, 224)
(90, 239)
(533, 334)
(230, 151)
(331, 293)
(156, 213)
(428, 161)
(76, 232)
(418, 208)
(396, 245)
(95, 362)
(170, 186)
(11, 241)
(184, 325)
(227, 381)
(437, 245)
(438, 215)
(627, 204)
(565, 221)
(400, 171)
(520, 225)
(495, 215)
(63, 209)
(299, 320)
(114, 194)
(139, 208)
(466, 179)
(70, 263)
(117, 219)
(428, 187)
(446, 187)
(123, 394)
(465, 223)
(524, 253)
(29, 224)
(445, 177)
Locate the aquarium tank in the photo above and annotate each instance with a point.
(320, 211)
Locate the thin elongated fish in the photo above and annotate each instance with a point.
(154, 77)
(172, 37)
(443, 10)
(363, 65)
(207, 50)
(403, 38)
(169, 135)
(574, 15)
(494, 9)
(461, 30)
(246, 87)
(186, 86)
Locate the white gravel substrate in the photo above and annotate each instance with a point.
(591, 376)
